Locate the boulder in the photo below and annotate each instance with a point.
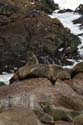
(63, 123)
(18, 116)
(68, 98)
(50, 103)
(30, 93)
(27, 93)
(79, 9)
(65, 10)
(78, 21)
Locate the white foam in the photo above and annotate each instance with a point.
(5, 78)
(71, 4)
(66, 19)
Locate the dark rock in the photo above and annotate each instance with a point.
(78, 21)
(7, 8)
(30, 29)
(79, 9)
(65, 10)
(51, 5)
(2, 83)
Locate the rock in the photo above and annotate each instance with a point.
(18, 116)
(32, 93)
(2, 83)
(28, 28)
(7, 8)
(26, 93)
(78, 21)
(62, 123)
(65, 10)
(79, 9)
(68, 98)
(51, 5)
(76, 83)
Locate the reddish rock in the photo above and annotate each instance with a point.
(18, 116)
(63, 123)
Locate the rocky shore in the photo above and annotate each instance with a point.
(36, 47)
(79, 10)
(26, 26)
(34, 100)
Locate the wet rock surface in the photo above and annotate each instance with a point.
(65, 10)
(79, 10)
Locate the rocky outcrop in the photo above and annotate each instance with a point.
(25, 28)
(50, 103)
(57, 104)
(65, 10)
(79, 21)
(79, 9)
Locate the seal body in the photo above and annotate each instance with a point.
(51, 71)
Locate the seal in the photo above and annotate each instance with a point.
(33, 69)
(78, 120)
(77, 69)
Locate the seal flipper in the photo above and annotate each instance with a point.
(32, 59)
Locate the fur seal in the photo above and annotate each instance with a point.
(59, 113)
(77, 69)
(78, 120)
(34, 69)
